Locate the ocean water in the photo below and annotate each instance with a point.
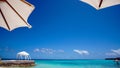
(74, 64)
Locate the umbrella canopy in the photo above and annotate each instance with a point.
(99, 4)
(14, 13)
(23, 55)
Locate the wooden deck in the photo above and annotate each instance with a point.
(19, 63)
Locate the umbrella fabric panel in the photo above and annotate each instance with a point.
(109, 3)
(22, 7)
(12, 19)
(93, 3)
(14, 13)
(99, 4)
(2, 21)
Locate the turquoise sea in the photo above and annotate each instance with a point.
(74, 64)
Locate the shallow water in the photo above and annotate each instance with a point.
(76, 64)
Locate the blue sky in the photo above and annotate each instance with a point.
(65, 29)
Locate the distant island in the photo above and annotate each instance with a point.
(118, 58)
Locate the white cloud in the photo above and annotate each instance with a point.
(48, 50)
(36, 50)
(81, 52)
(114, 52)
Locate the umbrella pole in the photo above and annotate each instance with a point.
(100, 3)
(2, 0)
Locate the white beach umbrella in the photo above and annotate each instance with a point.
(14, 13)
(99, 4)
(24, 55)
